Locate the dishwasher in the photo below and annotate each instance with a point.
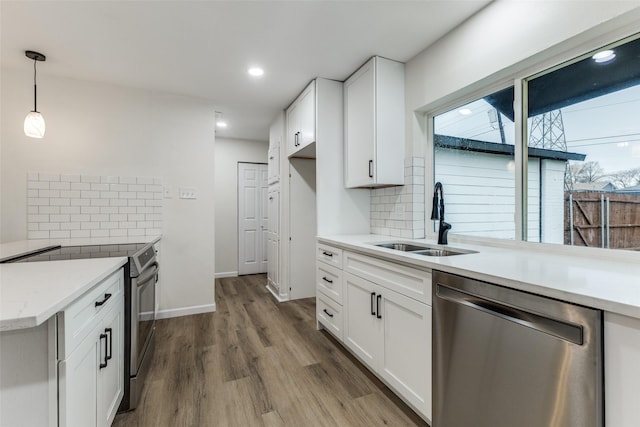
(507, 358)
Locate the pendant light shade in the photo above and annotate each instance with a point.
(34, 126)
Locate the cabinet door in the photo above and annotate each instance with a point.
(79, 379)
(292, 129)
(112, 376)
(405, 361)
(307, 116)
(362, 330)
(274, 164)
(360, 124)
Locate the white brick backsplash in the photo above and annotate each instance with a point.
(71, 205)
(72, 194)
(109, 179)
(80, 186)
(69, 178)
(60, 186)
(109, 194)
(89, 178)
(99, 187)
(118, 187)
(48, 177)
(80, 233)
(108, 209)
(99, 202)
(99, 233)
(38, 235)
(399, 211)
(48, 210)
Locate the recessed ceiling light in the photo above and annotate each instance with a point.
(221, 124)
(256, 72)
(464, 111)
(604, 56)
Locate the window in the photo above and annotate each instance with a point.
(586, 115)
(582, 156)
(474, 161)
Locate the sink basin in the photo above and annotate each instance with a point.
(425, 250)
(404, 247)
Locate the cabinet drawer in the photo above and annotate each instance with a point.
(75, 322)
(407, 281)
(329, 281)
(329, 254)
(329, 314)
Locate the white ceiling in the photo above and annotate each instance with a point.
(203, 48)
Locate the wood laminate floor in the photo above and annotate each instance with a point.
(256, 362)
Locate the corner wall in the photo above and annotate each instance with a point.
(228, 153)
(106, 130)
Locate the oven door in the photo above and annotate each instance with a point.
(143, 313)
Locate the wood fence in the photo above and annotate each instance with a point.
(602, 219)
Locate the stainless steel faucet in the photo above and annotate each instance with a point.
(437, 213)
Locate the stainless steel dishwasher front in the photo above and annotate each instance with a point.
(506, 358)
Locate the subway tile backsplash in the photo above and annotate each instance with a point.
(63, 206)
(399, 211)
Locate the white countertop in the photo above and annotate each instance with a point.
(30, 293)
(609, 285)
(23, 247)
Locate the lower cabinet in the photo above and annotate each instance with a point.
(392, 334)
(91, 376)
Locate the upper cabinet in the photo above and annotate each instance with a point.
(301, 124)
(374, 125)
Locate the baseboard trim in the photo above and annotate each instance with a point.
(186, 311)
(226, 274)
(275, 294)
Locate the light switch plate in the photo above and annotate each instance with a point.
(188, 193)
(168, 192)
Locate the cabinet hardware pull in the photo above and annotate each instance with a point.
(110, 348)
(271, 198)
(370, 168)
(297, 139)
(327, 313)
(378, 299)
(327, 254)
(373, 297)
(106, 298)
(327, 280)
(103, 364)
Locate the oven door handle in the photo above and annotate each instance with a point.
(147, 274)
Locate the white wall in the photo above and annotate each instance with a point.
(504, 37)
(228, 153)
(101, 129)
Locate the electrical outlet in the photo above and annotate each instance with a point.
(188, 193)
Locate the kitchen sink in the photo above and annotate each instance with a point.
(425, 250)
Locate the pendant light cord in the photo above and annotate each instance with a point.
(35, 87)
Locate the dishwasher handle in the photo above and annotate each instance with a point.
(563, 330)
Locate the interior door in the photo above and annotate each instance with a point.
(252, 218)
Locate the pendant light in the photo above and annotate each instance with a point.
(34, 122)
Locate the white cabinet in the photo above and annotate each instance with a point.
(91, 372)
(273, 154)
(374, 125)
(381, 311)
(273, 239)
(301, 124)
